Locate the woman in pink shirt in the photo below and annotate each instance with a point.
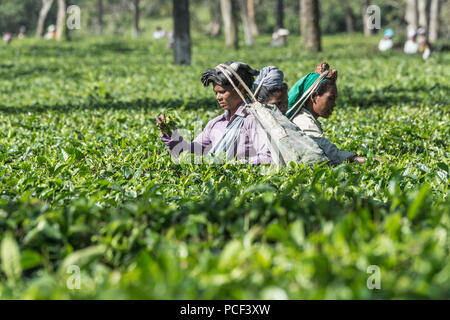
(248, 147)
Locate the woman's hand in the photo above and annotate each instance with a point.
(362, 160)
(162, 124)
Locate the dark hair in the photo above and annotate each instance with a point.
(243, 70)
(325, 86)
(265, 93)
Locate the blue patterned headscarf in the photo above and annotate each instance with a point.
(273, 77)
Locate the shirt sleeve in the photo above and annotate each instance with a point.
(176, 144)
(331, 151)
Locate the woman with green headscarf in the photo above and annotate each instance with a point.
(312, 97)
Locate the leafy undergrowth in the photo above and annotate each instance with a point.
(85, 180)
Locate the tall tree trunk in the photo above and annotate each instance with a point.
(99, 16)
(45, 8)
(136, 18)
(246, 23)
(422, 9)
(60, 19)
(229, 23)
(279, 14)
(310, 27)
(411, 13)
(365, 17)
(349, 18)
(433, 34)
(215, 26)
(182, 34)
(252, 16)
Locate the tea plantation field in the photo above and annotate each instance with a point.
(86, 184)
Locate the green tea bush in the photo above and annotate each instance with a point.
(85, 180)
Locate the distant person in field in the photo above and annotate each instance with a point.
(270, 88)
(22, 31)
(386, 43)
(319, 102)
(51, 32)
(279, 38)
(422, 38)
(233, 132)
(411, 45)
(159, 33)
(7, 38)
(424, 45)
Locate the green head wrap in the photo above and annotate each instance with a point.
(299, 89)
